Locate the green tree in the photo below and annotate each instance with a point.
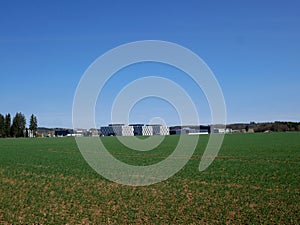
(7, 125)
(33, 125)
(2, 122)
(18, 125)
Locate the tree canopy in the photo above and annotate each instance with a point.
(18, 125)
(33, 124)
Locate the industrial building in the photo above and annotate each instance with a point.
(191, 130)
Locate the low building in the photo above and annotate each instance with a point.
(191, 130)
(79, 133)
(45, 132)
(61, 132)
(93, 132)
(222, 130)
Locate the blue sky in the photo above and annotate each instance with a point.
(252, 47)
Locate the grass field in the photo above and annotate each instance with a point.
(254, 180)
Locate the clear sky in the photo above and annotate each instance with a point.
(253, 48)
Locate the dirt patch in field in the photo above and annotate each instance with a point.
(9, 180)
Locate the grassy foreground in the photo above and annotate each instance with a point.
(255, 179)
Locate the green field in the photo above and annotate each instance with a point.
(255, 179)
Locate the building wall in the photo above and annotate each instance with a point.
(160, 130)
(107, 131)
(126, 131)
(147, 130)
(164, 130)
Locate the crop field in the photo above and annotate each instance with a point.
(255, 179)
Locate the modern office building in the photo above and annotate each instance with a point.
(133, 129)
(116, 130)
(142, 130)
(160, 130)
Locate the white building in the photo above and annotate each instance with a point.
(222, 130)
(93, 132)
(187, 130)
(78, 133)
(133, 129)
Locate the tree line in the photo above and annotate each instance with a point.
(277, 126)
(16, 126)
